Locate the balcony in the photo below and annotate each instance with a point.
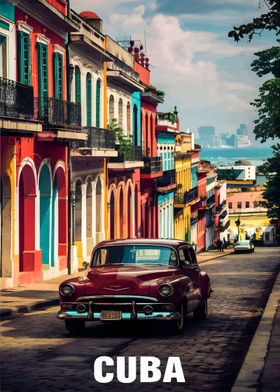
(152, 167)
(128, 158)
(167, 182)
(182, 198)
(100, 143)
(16, 100)
(56, 113)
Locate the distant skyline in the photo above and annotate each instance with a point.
(202, 71)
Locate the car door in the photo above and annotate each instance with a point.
(193, 271)
(185, 263)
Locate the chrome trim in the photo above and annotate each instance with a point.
(116, 296)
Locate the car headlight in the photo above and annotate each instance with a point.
(67, 289)
(165, 290)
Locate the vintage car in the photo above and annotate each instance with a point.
(244, 246)
(136, 279)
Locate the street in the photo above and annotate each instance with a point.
(38, 354)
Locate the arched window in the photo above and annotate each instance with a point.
(98, 106)
(128, 117)
(88, 96)
(77, 84)
(135, 124)
(120, 113)
(111, 109)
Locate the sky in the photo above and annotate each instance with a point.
(202, 71)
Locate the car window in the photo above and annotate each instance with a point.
(184, 255)
(192, 255)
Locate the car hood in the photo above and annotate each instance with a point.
(122, 280)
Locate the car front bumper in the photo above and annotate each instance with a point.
(128, 311)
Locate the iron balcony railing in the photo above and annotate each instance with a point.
(168, 178)
(186, 197)
(55, 112)
(97, 138)
(16, 100)
(128, 153)
(152, 165)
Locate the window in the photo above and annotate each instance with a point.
(23, 56)
(135, 124)
(58, 75)
(111, 109)
(77, 85)
(128, 118)
(230, 205)
(239, 204)
(88, 96)
(187, 255)
(43, 78)
(247, 204)
(98, 97)
(120, 113)
(3, 56)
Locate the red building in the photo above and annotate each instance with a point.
(42, 158)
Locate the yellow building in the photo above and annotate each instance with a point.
(182, 209)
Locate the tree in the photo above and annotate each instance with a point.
(267, 125)
(123, 142)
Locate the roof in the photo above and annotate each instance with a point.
(145, 241)
(89, 15)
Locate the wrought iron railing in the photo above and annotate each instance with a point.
(186, 197)
(152, 165)
(97, 138)
(55, 112)
(168, 178)
(16, 100)
(129, 153)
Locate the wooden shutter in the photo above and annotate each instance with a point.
(23, 57)
(77, 84)
(98, 91)
(43, 77)
(88, 100)
(58, 75)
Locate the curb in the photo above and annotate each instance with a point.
(252, 368)
(7, 314)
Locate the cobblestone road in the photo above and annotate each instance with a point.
(38, 355)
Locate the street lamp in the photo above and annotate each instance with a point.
(237, 222)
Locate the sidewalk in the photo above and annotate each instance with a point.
(260, 370)
(42, 295)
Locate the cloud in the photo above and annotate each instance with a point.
(186, 64)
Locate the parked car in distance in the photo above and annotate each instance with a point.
(137, 279)
(244, 246)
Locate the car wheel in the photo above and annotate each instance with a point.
(202, 311)
(178, 325)
(75, 326)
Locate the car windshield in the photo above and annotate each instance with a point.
(134, 254)
(242, 243)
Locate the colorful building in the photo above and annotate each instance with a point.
(167, 130)
(253, 221)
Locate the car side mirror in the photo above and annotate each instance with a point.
(85, 265)
(184, 263)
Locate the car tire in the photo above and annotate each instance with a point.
(178, 325)
(75, 326)
(201, 312)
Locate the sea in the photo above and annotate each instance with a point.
(227, 156)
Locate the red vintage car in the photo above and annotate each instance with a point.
(136, 279)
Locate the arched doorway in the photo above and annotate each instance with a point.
(45, 213)
(27, 195)
(121, 214)
(129, 213)
(112, 215)
(89, 218)
(78, 212)
(5, 228)
(136, 211)
(59, 219)
(99, 210)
